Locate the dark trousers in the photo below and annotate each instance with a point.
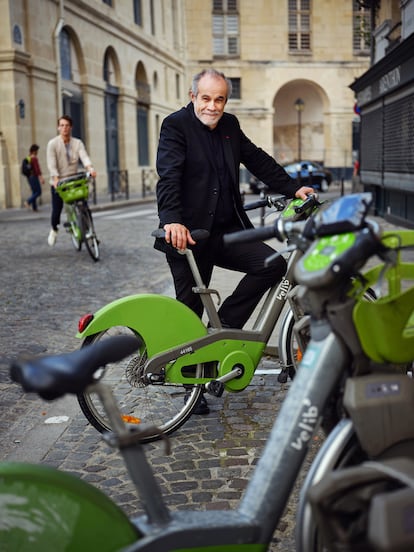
(246, 258)
(57, 206)
(34, 183)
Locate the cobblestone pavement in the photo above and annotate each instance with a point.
(43, 292)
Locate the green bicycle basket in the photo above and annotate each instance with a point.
(73, 188)
(385, 326)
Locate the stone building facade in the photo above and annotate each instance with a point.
(385, 95)
(118, 67)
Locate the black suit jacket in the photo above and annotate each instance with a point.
(188, 186)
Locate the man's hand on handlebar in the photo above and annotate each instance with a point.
(92, 172)
(178, 235)
(303, 192)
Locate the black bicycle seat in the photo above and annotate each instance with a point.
(53, 376)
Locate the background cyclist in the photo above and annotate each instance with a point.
(64, 152)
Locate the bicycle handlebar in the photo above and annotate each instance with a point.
(83, 175)
(250, 235)
(197, 234)
(278, 230)
(279, 202)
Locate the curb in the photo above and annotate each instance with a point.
(18, 214)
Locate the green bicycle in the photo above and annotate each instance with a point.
(74, 191)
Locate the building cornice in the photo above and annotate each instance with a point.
(398, 56)
(138, 40)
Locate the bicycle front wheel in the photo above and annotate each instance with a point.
(350, 507)
(294, 340)
(290, 351)
(88, 233)
(165, 406)
(73, 225)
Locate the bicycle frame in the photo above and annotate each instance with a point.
(188, 341)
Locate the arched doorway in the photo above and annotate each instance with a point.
(299, 127)
(143, 105)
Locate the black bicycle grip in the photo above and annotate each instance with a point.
(198, 234)
(256, 204)
(309, 203)
(250, 235)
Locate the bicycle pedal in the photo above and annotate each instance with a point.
(66, 225)
(215, 388)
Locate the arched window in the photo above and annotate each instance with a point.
(17, 35)
(143, 102)
(65, 57)
(111, 120)
(71, 93)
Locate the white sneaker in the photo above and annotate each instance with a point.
(51, 240)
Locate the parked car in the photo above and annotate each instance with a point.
(311, 173)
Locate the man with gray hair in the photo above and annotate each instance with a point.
(199, 155)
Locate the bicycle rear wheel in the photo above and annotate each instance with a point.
(162, 405)
(88, 232)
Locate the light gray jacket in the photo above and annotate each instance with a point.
(58, 163)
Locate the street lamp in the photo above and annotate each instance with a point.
(299, 106)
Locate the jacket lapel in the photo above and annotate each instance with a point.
(204, 143)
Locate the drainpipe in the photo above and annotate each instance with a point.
(56, 34)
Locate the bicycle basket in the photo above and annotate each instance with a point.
(73, 188)
(386, 326)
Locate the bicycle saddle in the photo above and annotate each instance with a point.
(53, 376)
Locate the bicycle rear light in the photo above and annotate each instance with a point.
(84, 322)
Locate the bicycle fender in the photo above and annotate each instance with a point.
(161, 321)
(45, 509)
